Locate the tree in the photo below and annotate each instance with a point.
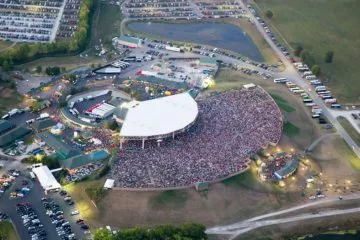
(112, 125)
(5, 66)
(269, 14)
(38, 69)
(102, 234)
(298, 51)
(307, 58)
(316, 70)
(329, 56)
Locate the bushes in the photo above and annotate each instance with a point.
(189, 231)
(95, 193)
(103, 171)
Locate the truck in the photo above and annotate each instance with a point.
(171, 48)
(43, 116)
(280, 80)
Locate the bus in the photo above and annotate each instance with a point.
(280, 80)
(335, 105)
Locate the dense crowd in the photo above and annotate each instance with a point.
(230, 127)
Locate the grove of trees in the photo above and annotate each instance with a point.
(329, 56)
(188, 231)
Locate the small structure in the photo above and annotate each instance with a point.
(131, 42)
(249, 86)
(43, 124)
(12, 135)
(63, 150)
(201, 186)
(286, 171)
(207, 62)
(46, 178)
(109, 183)
(83, 160)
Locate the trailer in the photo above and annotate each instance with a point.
(171, 48)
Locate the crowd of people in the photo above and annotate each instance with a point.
(231, 126)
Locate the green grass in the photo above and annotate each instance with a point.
(350, 129)
(7, 231)
(170, 198)
(290, 129)
(106, 23)
(282, 103)
(320, 26)
(10, 98)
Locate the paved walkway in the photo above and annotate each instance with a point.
(317, 141)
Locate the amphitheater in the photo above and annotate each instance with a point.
(220, 135)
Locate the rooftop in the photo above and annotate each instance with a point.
(5, 126)
(129, 39)
(82, 160)
(207, 60)
(56, 143)
(44, 124)
(159, 116)
(13, 135)
(288, 169)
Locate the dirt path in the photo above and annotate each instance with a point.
(317, 141)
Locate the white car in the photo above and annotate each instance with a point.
(74, 213)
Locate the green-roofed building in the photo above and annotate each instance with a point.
(44, 124)
(5, 126)
(14, 134)
(83, 160)
(208, 62)
(131, 42)
(63, 150)
(289, 168)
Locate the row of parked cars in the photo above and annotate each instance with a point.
(31, 221)
(56, 214)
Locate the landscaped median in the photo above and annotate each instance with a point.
(7, 231)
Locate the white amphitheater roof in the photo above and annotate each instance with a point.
(160, 116)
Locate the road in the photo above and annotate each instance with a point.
(292, 74)
(244, 226)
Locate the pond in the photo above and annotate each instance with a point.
(219, 35)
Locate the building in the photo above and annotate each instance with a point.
(46, 178)
(10, 136)
(131, 42)
(83, 160)
(43, 124)
(62, 149)
(207, 62)
(5, 126)
(159, 118)
(289, 169)
(101, 110)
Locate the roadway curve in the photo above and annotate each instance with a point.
(292, 74)
(250, 224)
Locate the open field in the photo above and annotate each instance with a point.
(350, 129)
(321, 26)
(7, 231)
(106, 23)
(9, 98)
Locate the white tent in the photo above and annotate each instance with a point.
(109, 183)
(46, 178)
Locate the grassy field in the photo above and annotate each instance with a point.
(290, 129)
(282, 103)
(87, 208)
(171, 198)
(106, 23)
(349, 129)
(321, 26)
(9, 98)
(7, 231)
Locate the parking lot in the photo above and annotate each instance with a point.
(40, 208)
